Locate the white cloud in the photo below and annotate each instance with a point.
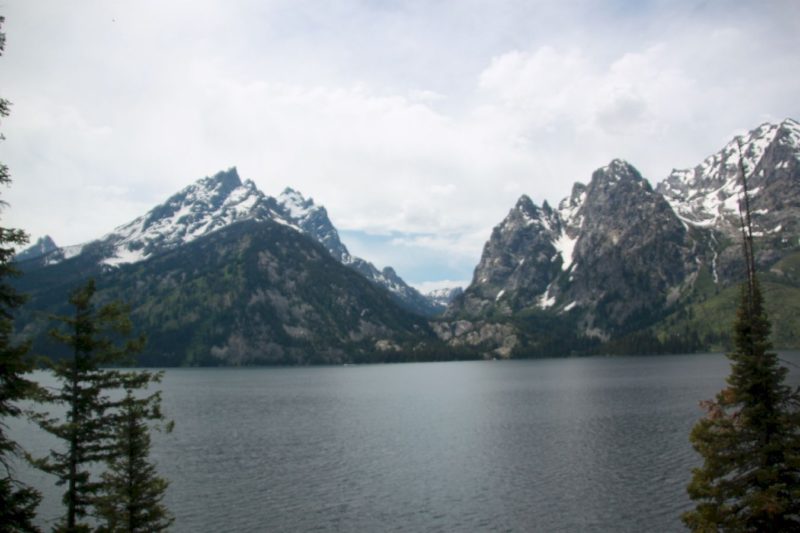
(422, 122)
(462, 244)
(576, 108)
(546, 91)
(543, 84)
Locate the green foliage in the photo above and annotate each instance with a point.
(17, 506)
(786, 271)
(706, 313)
(96, 337)
(251, 293)
(131, 500)
(704, 285)
(749, 439)
(543, 334)
(17, 502)
(645, 342)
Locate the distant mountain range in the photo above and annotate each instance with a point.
(221, 273)
(619, 265)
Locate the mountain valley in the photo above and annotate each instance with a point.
(221, 273)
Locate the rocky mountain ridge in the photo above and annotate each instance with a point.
(213, 203)
(618, 265)
(444, 296)
(559, 259)
(706, 197)
(252, 292)
(42, 246)
(618, 255)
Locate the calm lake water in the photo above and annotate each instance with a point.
(587, 444)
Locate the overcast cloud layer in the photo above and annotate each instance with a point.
(417, 124)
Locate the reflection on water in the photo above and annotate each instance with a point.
(548, 445)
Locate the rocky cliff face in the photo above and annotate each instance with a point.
(630, 254)
(40, 248)
(707, 197)
(313, 220)
(518, 263)
(618, 256)
(614, 250)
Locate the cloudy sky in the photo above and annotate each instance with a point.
(416, 123)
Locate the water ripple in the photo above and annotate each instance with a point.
(596, 444)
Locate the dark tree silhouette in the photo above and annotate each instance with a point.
(17, 502)
(132, 491)
(86, 390)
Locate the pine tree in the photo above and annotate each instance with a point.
(86, 389)
(17, 502)
(750, 438)
(132, 491)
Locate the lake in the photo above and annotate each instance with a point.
(575, 444)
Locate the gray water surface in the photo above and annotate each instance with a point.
(589, 444)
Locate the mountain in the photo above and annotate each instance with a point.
(223, 274)
(630, 255)
(252, 292)
(584, 255)
(314, 221)
(442, 297)
(620, 260)
(609, 257)
(199, 209)
(41, 247)
(213, 203)
(707, 196)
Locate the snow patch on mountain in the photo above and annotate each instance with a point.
(296, 205)
(216, 202)
(708, 194)
(125, 256)
(68, 252)
(546, 300)
(205, 206)
(565, 247)
(569, 208)
(283, 222)
(42, 246)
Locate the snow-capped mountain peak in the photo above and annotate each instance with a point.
(708, 195)
(442, 297)
(43, 246)
(619, 169)
(313, 220)
(527, 213)
(205, 206)
(295, 204)
(569, 208)
(789, 133)
(215, 202)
